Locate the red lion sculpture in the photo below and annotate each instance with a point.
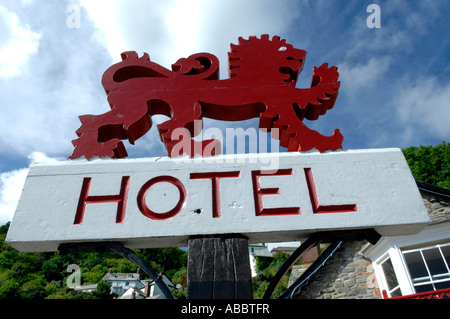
(263, 73)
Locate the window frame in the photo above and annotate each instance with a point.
(393, 247)
(430, 278)
(401, 272)
(390, 290)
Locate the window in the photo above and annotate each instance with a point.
(429, 267)
(390, 277)
(420, 262)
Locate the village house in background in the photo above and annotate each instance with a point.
(130, 286)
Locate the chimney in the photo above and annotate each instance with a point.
(147, 290)
(311, 254)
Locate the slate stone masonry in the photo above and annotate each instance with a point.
(438, 208)
(347, 275)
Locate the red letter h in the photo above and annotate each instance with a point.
(120, 199)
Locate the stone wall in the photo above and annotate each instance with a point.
(438, 208)
(346, 275)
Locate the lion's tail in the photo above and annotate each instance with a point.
(132, 66)
(202, 66)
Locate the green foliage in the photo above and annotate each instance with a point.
(4, 228)
(259, 287)
(67, 293)
(103, 290)
(93, 275)
(33, 288)
(44, 275)
(430, 164)
(171, 259)
(9, 286)
(266, 269)
(180, 278)
(262, 263)
(54, 267)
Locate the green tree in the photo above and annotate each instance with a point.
(121, 265)
(262, 263)
(4, 228)
(90, 260)
(430, 164)
(266, 269)
(8, 255)
(180, 278)
(52, 287)
(55, 267)
(94, 275)
(103, 290)
(34, 288)
(9, 286)
(167, 260)
(67, 293)
(9, 289)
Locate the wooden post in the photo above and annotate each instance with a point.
(219, 268)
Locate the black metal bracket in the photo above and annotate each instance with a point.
(305, 278)
(333, 237)
(121, 250)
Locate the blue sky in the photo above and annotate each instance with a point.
(395, 87)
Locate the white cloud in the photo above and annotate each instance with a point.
(424, 104)
(354, 77)
(39, 157)
(17, 43)
(11, 184)
(184, 21)
(40, 108)
(137, 25)
(172, 29)
(26, 2)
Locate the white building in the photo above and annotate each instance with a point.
(130, 286)
(121, 282)
(149, 291)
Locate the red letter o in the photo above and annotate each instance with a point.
(171, 213)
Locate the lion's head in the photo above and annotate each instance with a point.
(265, 59)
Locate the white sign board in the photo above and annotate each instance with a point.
(161, 202)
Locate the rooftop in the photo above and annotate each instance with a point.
(121, 276)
